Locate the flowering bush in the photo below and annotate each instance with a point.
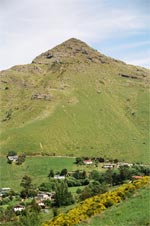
(95, 205)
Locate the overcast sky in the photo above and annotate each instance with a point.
(117, 28)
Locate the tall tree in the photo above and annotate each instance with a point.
(64, 172)
(62, 196)
(51, 174)
(28, 188)
(26, 182)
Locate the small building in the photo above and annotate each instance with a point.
(45, 196)
(88, 162)
(108, 166)
(125, 164)
(12, 158)
(18, 208)
(58, 177)
(4, 191)
(41, 204)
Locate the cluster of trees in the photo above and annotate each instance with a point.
(118, 176)
(92, 189)
(73, 179)
(62, 196)
(77, 178)
(80, 160)
(21, 159)
(99, 182)
(72, 182)
(29, 190)
(64, 172)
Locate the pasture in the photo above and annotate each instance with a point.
(36, 167)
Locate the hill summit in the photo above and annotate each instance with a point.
(71, 51)
(73, 100)
(72, 48)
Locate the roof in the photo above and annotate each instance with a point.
(12, 157)
(19, 206)
(87, 161)
(59, 177)
(137, 177)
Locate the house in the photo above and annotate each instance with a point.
(88, 162)
(12, 158)
(125, 164)
(18, 208)
(58, 177)
(108, 166)
(4, 191)
(45, 196)
(41, 204)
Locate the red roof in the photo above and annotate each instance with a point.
(137, 177)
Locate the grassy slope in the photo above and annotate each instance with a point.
(131, 212)
(93, 111)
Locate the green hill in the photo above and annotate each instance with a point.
(73, 100)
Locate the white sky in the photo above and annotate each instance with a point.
(117, 28)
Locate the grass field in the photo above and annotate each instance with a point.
(36, 167)
(131, 212)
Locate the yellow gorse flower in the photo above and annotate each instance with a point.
(95, 205)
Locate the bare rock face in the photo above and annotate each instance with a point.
(42, 96)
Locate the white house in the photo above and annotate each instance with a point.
(108, 166)
(45, 196)
(125, 164)
(12, 158)
(59, 177)
(41, 204)
(4, 191)
(18, 208)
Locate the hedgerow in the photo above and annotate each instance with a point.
(95, 205)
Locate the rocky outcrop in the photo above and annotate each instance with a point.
(71, 51)
(39, 96)
(128, 76)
